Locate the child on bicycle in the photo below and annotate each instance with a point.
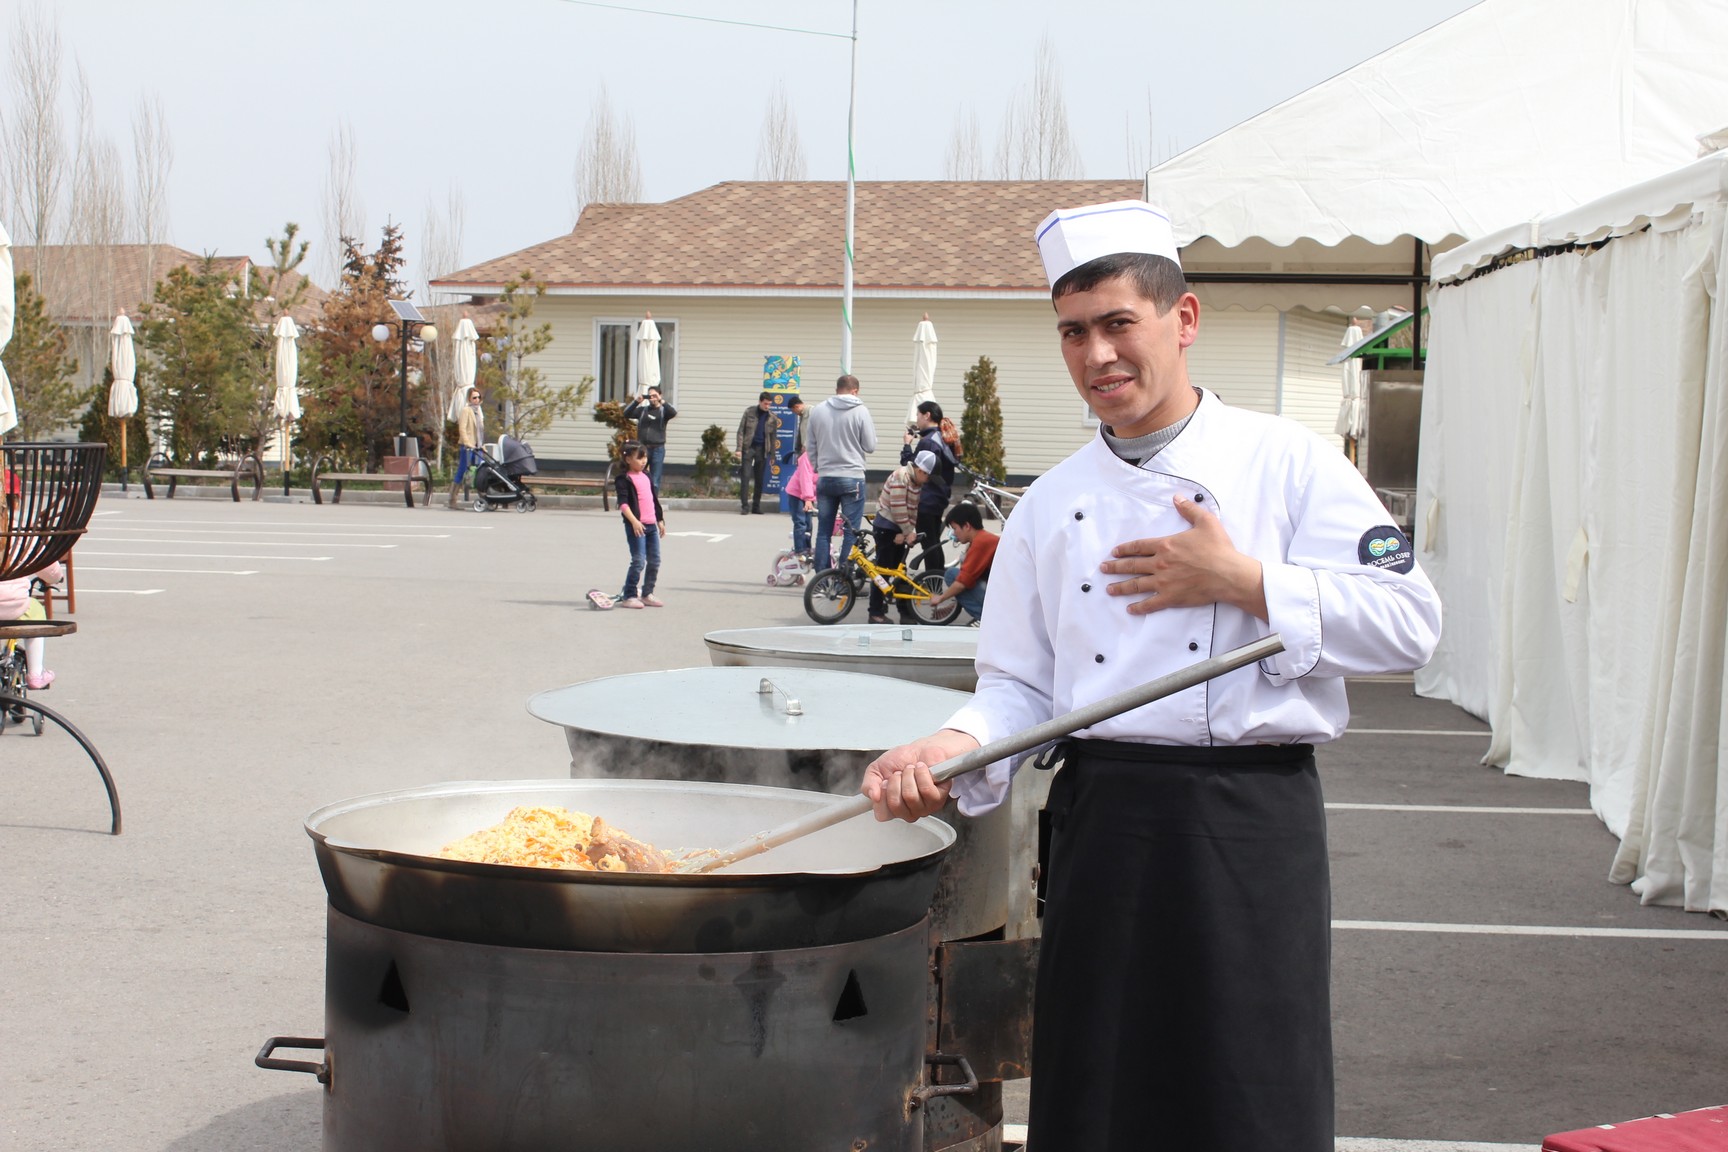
(896, 527)
(644, 520)
(16, 604)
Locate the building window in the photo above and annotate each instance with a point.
(615, 372)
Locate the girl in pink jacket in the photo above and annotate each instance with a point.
(16, 604)
(801, 495)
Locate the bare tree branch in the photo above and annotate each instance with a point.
(1036, 142)
(97, 224)
(607, 170)
(441, 239)
(35, 152)
(343, 214)
(441, 254)
(965, 159)
(779, 155)
(152, 160)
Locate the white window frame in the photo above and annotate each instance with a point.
(668, 388)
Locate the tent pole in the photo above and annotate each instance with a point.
(1416, 359)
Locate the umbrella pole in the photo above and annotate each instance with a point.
(123, 465)
(285, 492)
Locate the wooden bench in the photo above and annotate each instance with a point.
(420, 473)
(246, 466)
(602, 483)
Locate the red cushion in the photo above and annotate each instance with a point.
(1705, 1130)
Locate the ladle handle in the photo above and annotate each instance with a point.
(1068, 722)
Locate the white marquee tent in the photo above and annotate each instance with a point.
(1573, 512)
(1511, 110)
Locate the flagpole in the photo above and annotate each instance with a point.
(851, 204)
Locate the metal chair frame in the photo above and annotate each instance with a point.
(49, 492)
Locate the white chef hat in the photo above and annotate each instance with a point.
(925, 461)
(1070, 237)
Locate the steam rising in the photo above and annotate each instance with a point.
(607, 758)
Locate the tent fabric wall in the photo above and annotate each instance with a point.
(1481, 347)
(1575, 471)
(1674, 849)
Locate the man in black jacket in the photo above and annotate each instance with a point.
(754, 435)
(933, 499)
(651, 412)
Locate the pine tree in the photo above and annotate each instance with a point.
(506, 376)
(207, 359)
(981, 425)
(351, 381)
(40, 367)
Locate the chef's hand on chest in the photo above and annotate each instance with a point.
(1190, 568)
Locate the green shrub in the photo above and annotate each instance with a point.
(981, 424)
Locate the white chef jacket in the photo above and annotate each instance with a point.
(1342, 589)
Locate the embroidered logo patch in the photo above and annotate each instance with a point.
(1386, 547)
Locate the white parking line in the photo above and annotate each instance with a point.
(1417, 732)
(119, 591)
(1369, 1144)
(1016, 1134)
(273, 523)
(297, 532)
(180, 571)
(202, 556)
(107, 539)
(1460, 809)
(1531, 930)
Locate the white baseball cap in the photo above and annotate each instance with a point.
(1070, 237)
(925, 461)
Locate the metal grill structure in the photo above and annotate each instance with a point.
(50, 492)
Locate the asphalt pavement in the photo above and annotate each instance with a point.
(241, 665)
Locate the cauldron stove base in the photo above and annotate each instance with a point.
(442, 1044)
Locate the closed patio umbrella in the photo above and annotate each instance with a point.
(123, 393)
(647, 355)
(287, 399)
(8, 408)
(1352, 404)
(467, 340)
(923, 367)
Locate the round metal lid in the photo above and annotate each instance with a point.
(802, 709)
(865, 643)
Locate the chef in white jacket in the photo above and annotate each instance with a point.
(1183, 979)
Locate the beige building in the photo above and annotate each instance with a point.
(741, 271)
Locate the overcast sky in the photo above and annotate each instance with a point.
(492, 98)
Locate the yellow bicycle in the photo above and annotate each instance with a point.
(832, 592)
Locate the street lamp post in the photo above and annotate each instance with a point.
(408, 321)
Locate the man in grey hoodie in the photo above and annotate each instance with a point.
(841, 433)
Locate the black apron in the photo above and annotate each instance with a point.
(1184, 972)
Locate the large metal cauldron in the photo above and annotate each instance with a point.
(786, 727)
(811, 727)
(483, 1007)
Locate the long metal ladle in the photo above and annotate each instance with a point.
(1095, 713)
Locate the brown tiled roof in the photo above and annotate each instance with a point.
(79, 281)
(933, 234)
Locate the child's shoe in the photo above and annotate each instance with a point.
(37, 683)
(653, 601)
(629, 602)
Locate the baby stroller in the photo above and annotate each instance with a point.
(498, 480)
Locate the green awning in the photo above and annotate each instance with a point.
(1373, 348)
